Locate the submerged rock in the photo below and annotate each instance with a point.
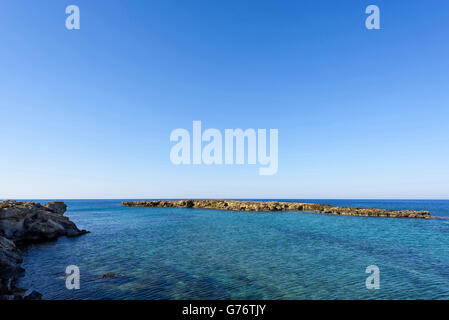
(263, 206)
(34, 295)
(24, 223)
(109, 275)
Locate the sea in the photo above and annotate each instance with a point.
(176, 253)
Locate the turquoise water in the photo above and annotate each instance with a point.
(170, 253)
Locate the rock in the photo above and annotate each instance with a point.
(57, 207)
(189, 204)
(29, 222)
(10, 269)
(109, 275)
(34, 295)
(77, 233)
(24, 223)
(261, 206)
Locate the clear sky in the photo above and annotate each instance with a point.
(88, 113)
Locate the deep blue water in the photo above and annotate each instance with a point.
(170, 253)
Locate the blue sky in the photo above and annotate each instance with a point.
(88, 113)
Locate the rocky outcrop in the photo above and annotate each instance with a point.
(29, 222)
(10, 261)
(261, 206)
(24, 223)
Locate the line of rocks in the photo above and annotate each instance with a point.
(22, 224)
(264, 206)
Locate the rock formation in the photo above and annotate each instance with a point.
(10, 261)
(262, 206)
(24, 223)
(109, 275)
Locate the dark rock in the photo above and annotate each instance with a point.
(24, 223)
(57, 207)
(109, 275)
(77, 234)
(189, 204)
(10, 261)
(28, 222)
(34, 295)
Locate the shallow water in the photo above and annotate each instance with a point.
(172, 253)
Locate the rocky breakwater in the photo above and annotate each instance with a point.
(22, 224)
(264, 206)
